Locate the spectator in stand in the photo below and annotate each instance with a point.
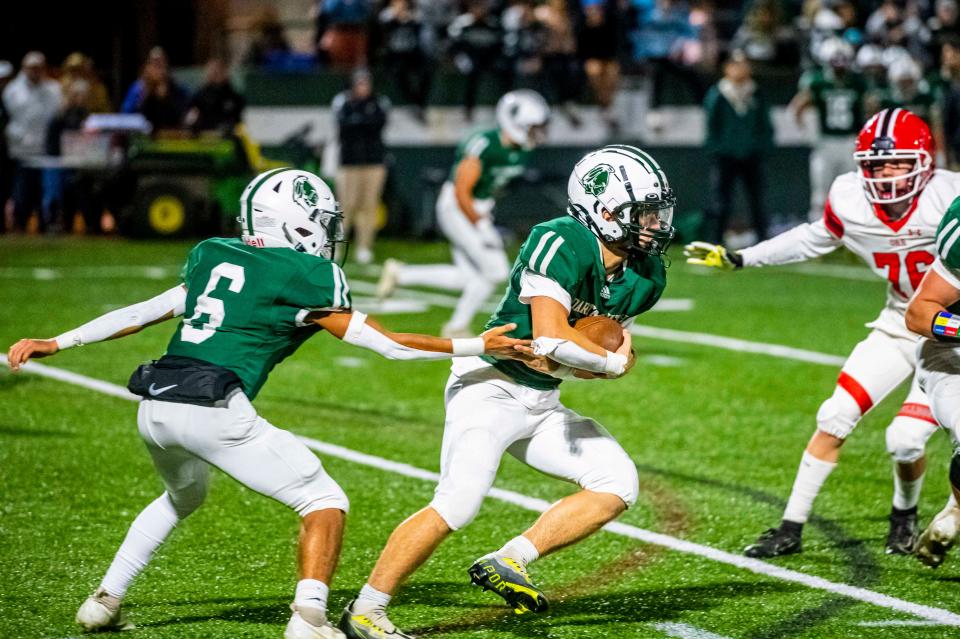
(343, 24)
(216, 106)
(475, 43)
(943, 25)
(598, 44)
(561, 68)
(739, 137)
(78, 66)
(361, 116)
(6, 166)
(437, 15)
(763, 37)
(270, 46)
(62, 190)
(523, 41)
(950, 99)
(404, 56)
(31, 100)
(898, 23)
(161, 100)
(661, 40)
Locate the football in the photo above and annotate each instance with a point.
(601, 330)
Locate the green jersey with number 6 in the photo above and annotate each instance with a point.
(565, 251)
(838, 100)
(499, 163)
(246, 306)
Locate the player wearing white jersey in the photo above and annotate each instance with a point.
(886, 213)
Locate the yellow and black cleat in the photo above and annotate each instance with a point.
(505, 577)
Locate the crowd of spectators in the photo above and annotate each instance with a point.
(40, 107)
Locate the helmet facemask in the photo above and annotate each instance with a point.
(915, 179)
(647, 227)
(324, 236)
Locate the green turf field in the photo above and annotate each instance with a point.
(716, 434)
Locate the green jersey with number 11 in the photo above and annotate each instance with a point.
(565, 251)
(246, 306)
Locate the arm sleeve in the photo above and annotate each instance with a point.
(574, 356)
(361, 334)
(133, 316)
(800, 243)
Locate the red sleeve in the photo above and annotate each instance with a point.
(832, 221)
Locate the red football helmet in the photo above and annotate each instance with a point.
(894, 134)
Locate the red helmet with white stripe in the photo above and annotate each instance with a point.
(894, 134)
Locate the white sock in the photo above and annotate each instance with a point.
(373, 603)
(447, 276)
(147, 532)
(906, 494)
(312, 593)
(474, 295)
(520, 549)
(810, 477)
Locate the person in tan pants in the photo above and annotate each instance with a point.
(361, 116)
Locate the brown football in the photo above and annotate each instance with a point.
(601, 330)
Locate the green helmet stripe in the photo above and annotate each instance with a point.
(641, 157)
(256, 187)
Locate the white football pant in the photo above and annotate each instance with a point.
(487, 414)
(938, 370)
(874, 369)
(479, 261)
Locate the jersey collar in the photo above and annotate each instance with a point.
(900, 222)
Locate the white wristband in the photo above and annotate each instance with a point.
(615, 364)
(467, 346)
(68, 340)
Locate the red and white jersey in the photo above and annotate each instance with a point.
(898, 251)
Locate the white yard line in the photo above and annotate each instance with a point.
(687, 337)
(899, 622)
(928, 613)
(685, 631)
(836, 271)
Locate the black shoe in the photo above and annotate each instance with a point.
(508, 579)
(904, 531)
(775, 542)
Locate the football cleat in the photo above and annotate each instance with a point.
(939, 537)
(362, 626)
(507, 578)
(101, 611)
(774, 542)
(313, 626)
(902, 538)
(387, 283)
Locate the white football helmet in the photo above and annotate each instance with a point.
(835, 52)
(523, 115)
(294, 209)
(622, 195)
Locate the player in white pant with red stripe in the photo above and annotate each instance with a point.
(886, 213)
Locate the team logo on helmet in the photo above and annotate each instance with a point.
(305, 194)
(596, 180)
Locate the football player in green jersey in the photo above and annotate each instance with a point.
(485, 162)
(247, 304)
(837, 93)
(934, 312)
(603, 258)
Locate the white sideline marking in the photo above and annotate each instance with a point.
(837, 271)
(739, 345)
(85, 272)
(685, 631)
(670, 335)
(929, 613)
(898, 622)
